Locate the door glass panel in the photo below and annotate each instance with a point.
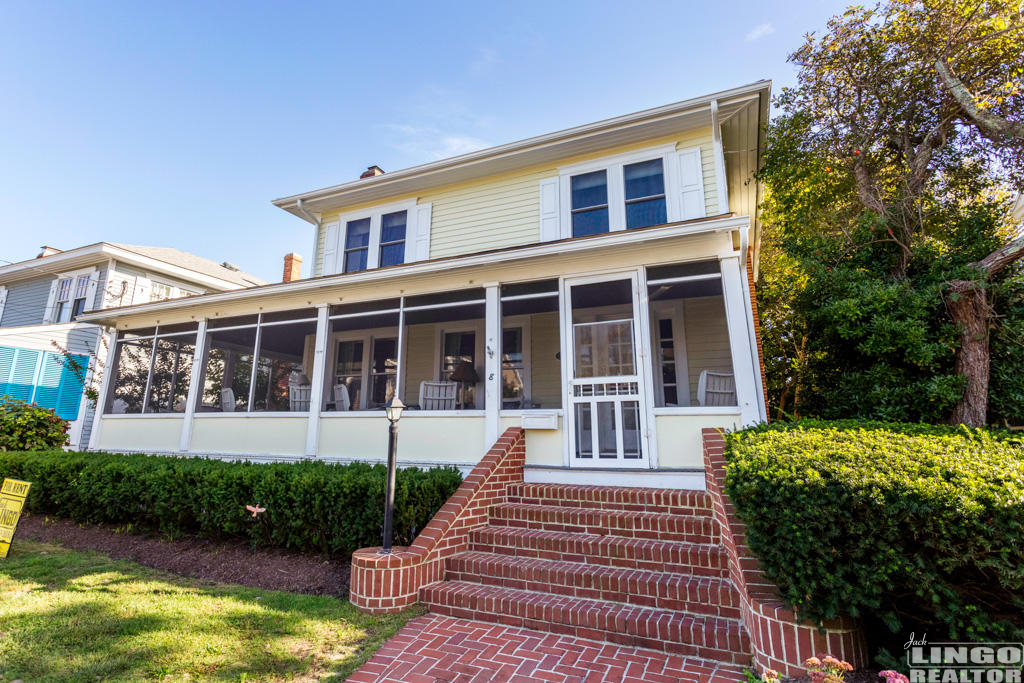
(458, 364)
(631, 430)
(584, 434)
(606, 430)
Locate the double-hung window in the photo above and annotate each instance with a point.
(357, 244)
(589, 203)
(639, 189)
(645, 193)
(376, 237)
(71, 294)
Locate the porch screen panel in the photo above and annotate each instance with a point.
(132, 360)
(282, 385)
(227, 371)
(531, 375)
(172, 372)
(690, 337)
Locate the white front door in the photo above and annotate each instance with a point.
(607, 407)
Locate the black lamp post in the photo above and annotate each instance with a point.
(393, 411)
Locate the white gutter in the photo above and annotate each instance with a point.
(688, 228)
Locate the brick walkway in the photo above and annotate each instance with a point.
(440, 649)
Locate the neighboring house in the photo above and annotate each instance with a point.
(42, 299)
(593, 285)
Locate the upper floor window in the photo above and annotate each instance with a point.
(645, 194)
(357, 244)
(589, 203)
(70, 296)
(160, 291)
(638, 189)
(380, 236)
(392, 238)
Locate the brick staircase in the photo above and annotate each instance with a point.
(631, 566)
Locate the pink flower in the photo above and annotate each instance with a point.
(770, 676)
(812, 661)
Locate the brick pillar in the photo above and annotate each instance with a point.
(292, 267)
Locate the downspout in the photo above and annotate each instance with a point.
(751, 332)
(308, 217)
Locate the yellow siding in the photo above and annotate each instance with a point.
(504, 210)
(419, 359)
(679, 437)
(707, 338)
(141, 434)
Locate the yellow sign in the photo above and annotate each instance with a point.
(12, 500)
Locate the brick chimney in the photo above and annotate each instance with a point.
(48, 251)
(372, 171)
(292, 267)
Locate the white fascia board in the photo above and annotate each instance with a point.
(152, 264)
(549, 140)
(685, 229)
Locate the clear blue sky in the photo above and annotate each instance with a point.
(175, 123)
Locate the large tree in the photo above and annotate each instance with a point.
(889, 171)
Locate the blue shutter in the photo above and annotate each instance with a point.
(48, 383)
(6, 363)
(23, 374)
(69, 393)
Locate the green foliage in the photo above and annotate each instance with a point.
(27, 427)
(878, 196)
(310, 506)
(918, 526)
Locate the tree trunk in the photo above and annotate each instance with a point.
(968, 306)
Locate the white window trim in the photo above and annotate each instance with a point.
(674, 311)
(522, 322)
(476, 326)
(90, 297)
(670, 154)
(3, 300)
(374, 213)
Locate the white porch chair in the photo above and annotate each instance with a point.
(342, 401)
(716, 389)
(227, 400)
(298, 397)
(438, 395)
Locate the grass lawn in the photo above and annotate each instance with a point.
(71, 616)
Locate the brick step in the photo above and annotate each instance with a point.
(653, 525)
(675, 501)
(610, 551)
(668, 591)
(686, 635)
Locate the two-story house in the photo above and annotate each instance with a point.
(46, 351)
(592, 285)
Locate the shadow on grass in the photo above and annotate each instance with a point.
(70, 616)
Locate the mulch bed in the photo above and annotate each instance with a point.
(231, 561)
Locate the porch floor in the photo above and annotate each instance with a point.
(436, 648)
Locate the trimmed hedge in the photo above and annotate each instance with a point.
(310, 506)
(919, 527)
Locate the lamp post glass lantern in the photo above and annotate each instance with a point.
(393, 411)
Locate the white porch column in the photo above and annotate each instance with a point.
(104, 355)
(316, 394)
(492, 365)
(194, 390)
(739, 319)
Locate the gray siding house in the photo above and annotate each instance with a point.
(46, 355)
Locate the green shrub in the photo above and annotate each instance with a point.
(28, 427)
(916, 526)
(310, 506)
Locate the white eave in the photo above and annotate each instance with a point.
(100, 253)
(592, 137)
(724, 223)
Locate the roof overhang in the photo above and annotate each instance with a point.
(700, 226)
(593, 137)
(98, 254)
